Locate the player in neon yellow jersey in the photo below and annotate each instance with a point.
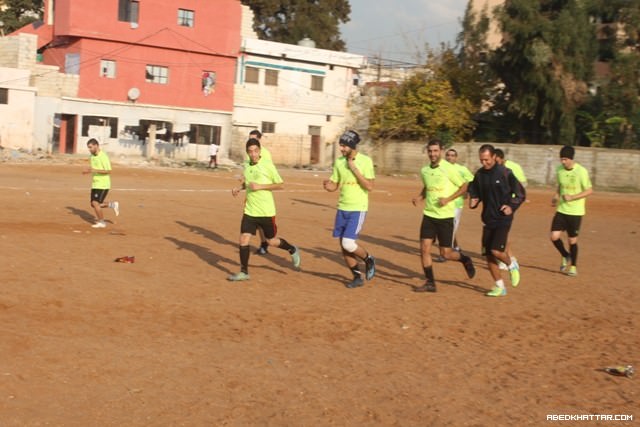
(260, 179)
(265, 156)
(574, 186)
(100, 170)
(452, 157)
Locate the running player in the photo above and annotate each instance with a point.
(452, 157)
(100, 170)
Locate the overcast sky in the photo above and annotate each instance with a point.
(399, 29)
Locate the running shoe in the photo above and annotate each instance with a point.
(238, 277)
(370, 264)
(514, 272)
(295, 257)
(99, 224)
(497, 292)
(355, 283)
(573, 271)
(564, 263)
(469, 268)
(116, 208)
(427, 287)
(262, 251)
(439, 258)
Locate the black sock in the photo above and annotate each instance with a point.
(560, 247)
(574, 253)
(356, 272)
(264, 244)
(286, 246)
(244, 258)
(428, 272)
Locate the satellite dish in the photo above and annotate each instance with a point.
(134, 93)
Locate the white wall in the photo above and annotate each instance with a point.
(17, 117)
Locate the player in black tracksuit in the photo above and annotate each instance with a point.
(501, 194)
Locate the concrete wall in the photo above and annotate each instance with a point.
(17, 116)
(609, 169)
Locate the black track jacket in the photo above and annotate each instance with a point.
(496, 187)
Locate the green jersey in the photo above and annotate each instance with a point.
(517, 171)
(440, 181)
(260, 203)
(353, 197)
(571, 182)
(467, 176)
(100, 162)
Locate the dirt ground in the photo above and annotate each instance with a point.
(167, 341)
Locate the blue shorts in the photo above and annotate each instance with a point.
(348, 224)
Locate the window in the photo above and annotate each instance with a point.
(72, 63)
(157, 74)
(128, 11)
(271, 78)
(317, 83)
(4, 95)
(268, 127)
(100, 128)
(251, 75)
(208, 82)
(185, 17)
(203, 134)
(315, 130)
(164, 130)
(108, 68)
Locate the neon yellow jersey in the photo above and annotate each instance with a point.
(264, 155)
(571, 182)
(467, 176)
(260, 203)
(440, 181)
(353, 197)
(100, 162)
(517, 171)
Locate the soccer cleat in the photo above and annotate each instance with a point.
(238, 277)
(370, 265)
(564, 263)
(355, 283)
(573, 271)
(497, 292)
(469, 268)
(99, 224)
(427, 287)
(515, 275)
(116, 208)
(295, 257)
(262, 251)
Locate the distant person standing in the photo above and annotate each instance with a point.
(100, 170)
(265, 156)
(442, 185)
(501, 194)
(260, 179)
(213, 155)
(452, 157)
(574, 186)
(353, 174)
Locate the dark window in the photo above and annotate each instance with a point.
(157, 74)
(317, 83)
(4, 95)
(268, 127)
(271, 78)
(185, 17)
(128, 10)
(164, 130)
(203, 134)
(100, 127)
(251, 75)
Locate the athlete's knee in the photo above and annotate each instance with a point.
(349, 245)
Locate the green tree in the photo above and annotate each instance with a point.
(422, 107)
(545, 63)
(18, 13)
(289, 21)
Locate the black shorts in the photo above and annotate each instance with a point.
(250, 225)
(98, 195)
(568, 223)
(440, 227)
(495, 238)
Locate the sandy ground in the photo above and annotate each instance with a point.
(167, 341)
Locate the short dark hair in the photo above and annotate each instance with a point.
(255, 133)
(250, 142)
(434, 142)
(487, 147)
(567, 152)
(499, 153)
(92, 141)
(452, 150)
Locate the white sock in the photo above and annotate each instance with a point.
(500, 283)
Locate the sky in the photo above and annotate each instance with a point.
(399, 29)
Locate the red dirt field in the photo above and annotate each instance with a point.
(167, 341)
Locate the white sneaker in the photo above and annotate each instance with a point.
(116, 208)
(502, 266)
(99, 225)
